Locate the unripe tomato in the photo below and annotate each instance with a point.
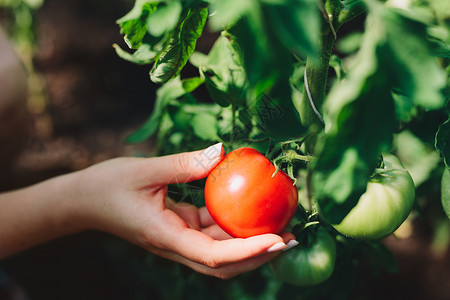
(384, 206)
(306, 265)
(244, 197)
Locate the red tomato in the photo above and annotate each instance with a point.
(243, 197)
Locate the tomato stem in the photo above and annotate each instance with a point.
(233, 122)
(376, 177)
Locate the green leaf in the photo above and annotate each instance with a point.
(224, 77)
(419, 159)
(360, 113)
(142, 56)
(191, 84)
(381, 258)
(442, 10)
(134, 23)
(405, 109)
(409, 55)
(296, 24)
(442, 143)
(181, 46)
(164, 19)
(445, 191)
(253, 45)
(164, 96)
(226, 13)
(205, 126)
(277, 116)
(359, 116)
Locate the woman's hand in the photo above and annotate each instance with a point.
(127, 197)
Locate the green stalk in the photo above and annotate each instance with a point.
(233, 124)
(316, 73)
(316, 76)
(335, 13)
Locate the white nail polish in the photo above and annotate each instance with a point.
(276, 247)
(290, 244)
(213, 151)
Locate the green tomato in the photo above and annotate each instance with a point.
(307, 265)
(445, 191)
(384, 206)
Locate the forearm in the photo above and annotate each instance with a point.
(38, 213)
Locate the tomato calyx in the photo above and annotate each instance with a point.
(381, 172)
(307, 223)
(289, 157)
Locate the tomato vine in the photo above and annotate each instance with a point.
(322, 96)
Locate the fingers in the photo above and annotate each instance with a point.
(216, 232)
(198, 247)
(188, 212)
(197, 218)
(182, 167)
(225, 271)
(212, 246)
(205, 218)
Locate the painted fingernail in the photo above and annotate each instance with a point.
(290, 244)
(213, 151)
(276, 247)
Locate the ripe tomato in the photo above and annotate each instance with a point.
(384, 206)
(243, 197)
(306, 265)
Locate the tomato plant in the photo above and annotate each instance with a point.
(384, 206)
(445, 186)
(323, 87)
(308, 264)
(246, 196)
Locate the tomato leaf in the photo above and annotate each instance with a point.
(134, 23)
(181, 46)
(191, 84)
(416, 71)
(142, 56)
(419, 159)
(164, 19)
(380, 258)
(360, 114)
(164, 96)
(205, 126)
(295, 25)
(224, 76)
(278, 117)
(267, 32)
(162, 32)
(352, 143)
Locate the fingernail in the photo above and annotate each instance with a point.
(213, 151)
(276, 247)
(290, 244)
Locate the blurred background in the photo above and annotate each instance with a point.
(82, 102)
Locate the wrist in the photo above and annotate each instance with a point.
(69, 205)
(37, 214)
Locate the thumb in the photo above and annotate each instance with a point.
(184, 167)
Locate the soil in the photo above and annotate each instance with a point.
(90, 100)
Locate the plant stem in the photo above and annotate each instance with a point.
(316, 73)
(316, 76)
(233, 123)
